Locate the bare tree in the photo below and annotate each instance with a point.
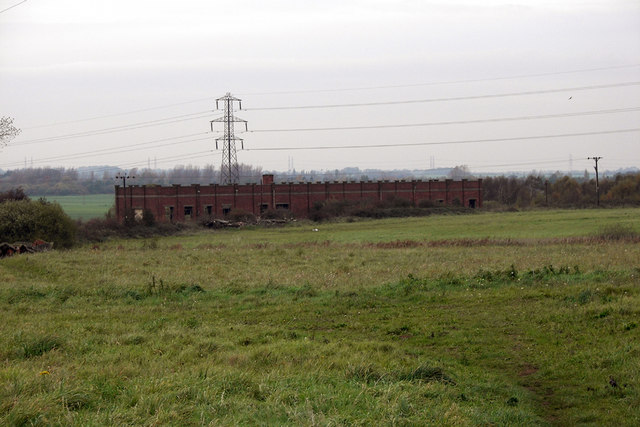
(7, 130)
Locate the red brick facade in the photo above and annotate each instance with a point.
(184, 203)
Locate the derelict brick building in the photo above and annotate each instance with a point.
(184, 203)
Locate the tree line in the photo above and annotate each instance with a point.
(62, 181)
(534, 190)
(560, 191)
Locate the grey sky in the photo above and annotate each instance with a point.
(70, 60)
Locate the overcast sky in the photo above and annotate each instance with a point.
(138, 79)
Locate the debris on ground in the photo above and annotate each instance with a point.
(222, 223)
(8, 249)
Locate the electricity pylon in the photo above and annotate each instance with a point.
(229, 169)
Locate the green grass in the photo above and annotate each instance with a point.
(503, 319)
(83, 207)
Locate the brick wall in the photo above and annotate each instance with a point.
(184, 203)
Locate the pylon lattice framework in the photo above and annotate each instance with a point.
(230, 173)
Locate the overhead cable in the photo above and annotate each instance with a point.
(114, 150)
(448, 82)
(445, 82)
(125, 113)
(467, 141)
(122, 128)
(11, 7)
(455, 98)
(456, 122)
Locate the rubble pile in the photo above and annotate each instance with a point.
(8, 249)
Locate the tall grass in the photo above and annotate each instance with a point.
(374, 322)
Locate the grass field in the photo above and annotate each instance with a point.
(493, 319)
(83, 207)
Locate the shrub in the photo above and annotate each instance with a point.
(130, 218)
(101, 229)
(239, 215)
(394, 207)
(26, 220)
(333, 208)
(148, 219)
(394, 202)
(426, 204)
(277, 214)
(98, 229)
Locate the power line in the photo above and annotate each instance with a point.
(337, 90)
(115, 150)
(468, 141)
(143, 145)
(446, 82)
(197, 155)
(519, 164)
(11, 7)
(141, 110)
(457, 122)
(457, 98)
(122, 128)
(187, 117)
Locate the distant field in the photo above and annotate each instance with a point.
(525, 318)
(83, 207)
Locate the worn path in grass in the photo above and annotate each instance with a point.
(357, 323)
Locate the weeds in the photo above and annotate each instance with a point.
(618, 232)
(76, 400)
(365, 373)
(306, 291)
(159, 288)
(489, 278)
(37, 346)
(426, 373)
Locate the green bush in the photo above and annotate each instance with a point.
(26, 221)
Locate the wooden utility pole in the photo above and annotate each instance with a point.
(596, 158)
(124, 177)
